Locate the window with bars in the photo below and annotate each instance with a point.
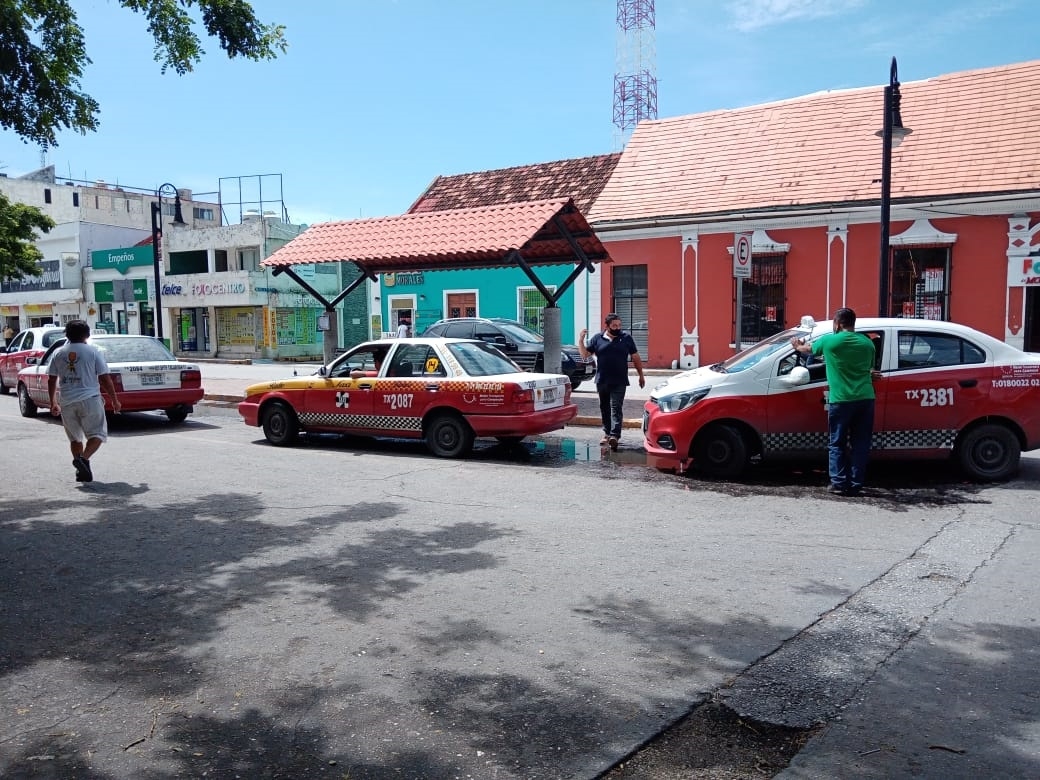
(530, 303)
(762, 299)
(920, 283)
(631, 303)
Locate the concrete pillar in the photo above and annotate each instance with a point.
(330, 338)
(552, 339)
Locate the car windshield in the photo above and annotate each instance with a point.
(751, 356)
(480, 359)
(132, 350)
(519, 333)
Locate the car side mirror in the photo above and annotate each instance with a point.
(323, 371)
(799, 376)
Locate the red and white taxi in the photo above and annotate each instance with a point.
(945, 390)
(29, 343)
(148, 377)
(444, 391)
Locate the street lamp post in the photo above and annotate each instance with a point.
(157, 232)
(892, 134)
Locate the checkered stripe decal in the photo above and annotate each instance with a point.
(885, 440)
(370, 421)
(912, 440)
(794, 442)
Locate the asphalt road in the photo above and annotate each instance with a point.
(214, 606)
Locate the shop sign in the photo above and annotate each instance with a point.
(104, 292)
(122, 259)
(398, 279)
(50, 279)
(1024, 272)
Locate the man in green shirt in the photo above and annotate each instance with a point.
(849, 358)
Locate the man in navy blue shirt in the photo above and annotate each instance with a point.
(612, 349)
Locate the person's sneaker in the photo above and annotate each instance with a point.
(605, 440)
(837, 490)
(612, 441)
(83, 473)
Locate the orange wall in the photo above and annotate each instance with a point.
(978, 279)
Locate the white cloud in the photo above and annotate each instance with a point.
(755, 14)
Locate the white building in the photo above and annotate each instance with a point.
(88, 217)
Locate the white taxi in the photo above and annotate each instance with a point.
(444, 391)
(945, 390)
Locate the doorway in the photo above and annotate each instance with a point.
(1031, 331)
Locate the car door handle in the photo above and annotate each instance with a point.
(364, 386)
(968, 382)
(433, 388)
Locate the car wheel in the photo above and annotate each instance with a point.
(280, 425)
(449, 436)
(989, 452)
(26, 405)
(177, 414)
(720, 451)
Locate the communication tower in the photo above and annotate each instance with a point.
(635, 78)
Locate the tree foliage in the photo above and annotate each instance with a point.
(43, 54)
(19, 224)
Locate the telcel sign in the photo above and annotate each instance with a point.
(1027, 274)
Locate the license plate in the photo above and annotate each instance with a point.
(151, 379)
(549, 394)
(590, 368)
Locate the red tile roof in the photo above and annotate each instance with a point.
(974, 132)
(581, 179)
(463, 238)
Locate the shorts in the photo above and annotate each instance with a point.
(85, 419)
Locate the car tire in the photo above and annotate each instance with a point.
(177, 414)
(26, 405)
(989, 453)
(449, 436)
(280, 425)
(720, 451)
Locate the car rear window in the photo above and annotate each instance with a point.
(51, 336)
(480, 359)
(132, 350)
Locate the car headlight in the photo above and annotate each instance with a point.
(678, 401)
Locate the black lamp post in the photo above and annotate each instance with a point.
(892, 134)
(178, 219)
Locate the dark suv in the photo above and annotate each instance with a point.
(521, 344)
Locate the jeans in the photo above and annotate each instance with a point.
(851, 425)
(611, 407)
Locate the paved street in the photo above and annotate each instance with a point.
(215, 606)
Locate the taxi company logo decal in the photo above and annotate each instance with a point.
(342, 400)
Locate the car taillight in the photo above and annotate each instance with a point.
(521, 396)
(191, 377)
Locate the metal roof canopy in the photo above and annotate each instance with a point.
(524, 235)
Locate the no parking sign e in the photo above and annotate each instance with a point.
(742, 256)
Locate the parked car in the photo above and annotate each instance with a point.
(946, 390)
(444, 391)
(522, 345)
(148, 377)
(32, 342)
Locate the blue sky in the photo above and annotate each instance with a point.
(375, 98)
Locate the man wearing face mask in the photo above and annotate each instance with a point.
(612, 349)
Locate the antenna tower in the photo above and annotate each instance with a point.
(635, 79)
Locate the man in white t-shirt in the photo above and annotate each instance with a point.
(404, 330)
(82, 372)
